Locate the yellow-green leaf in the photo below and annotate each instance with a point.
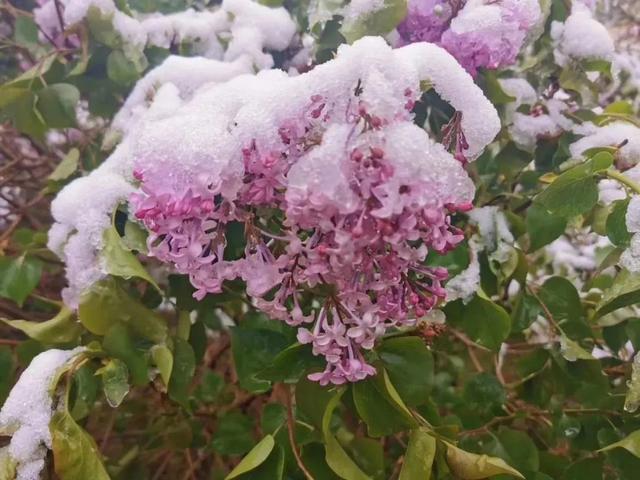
(471, 466)
(75, 453)
(418, 459)
(63, 328)
(121, 262)
(254, 458)
(630, 443)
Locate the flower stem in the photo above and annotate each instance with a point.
(626, 181)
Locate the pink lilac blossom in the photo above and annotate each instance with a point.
(366, 240)
(478, 33)
(340, 194)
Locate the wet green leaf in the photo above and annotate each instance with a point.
(75, 454)
(115, 381)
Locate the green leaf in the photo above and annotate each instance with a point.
(119, 344)
(86, 386)
(572, 351)
(234, 435)
(562, 299)
(418, 459)
(254, 458)
(106, 303)
(7, 367)
(378, 409)
(617, 224)
(336, 457)
(290, 364)
(485, 322)
(543, 226)
(515, 448)
(119, 261)
(378, 22)
(210, 387)
(57, 104)
(312, 400)
(25, 31)
(115, 381)
(471, 466)
(61, 329)
(273, 417)
(253, 349)
(67, 166)
(575, 191)
(184, 366)
(630, 443)
(120, 69)
(494, 90)
(75, 453)
(409, 364)
(625, 291)
(484, 391)
(585, 469)
(163, 359)
(18, 277)
(25, 116)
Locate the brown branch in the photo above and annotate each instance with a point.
(286, 391)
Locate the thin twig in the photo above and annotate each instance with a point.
(291, 429)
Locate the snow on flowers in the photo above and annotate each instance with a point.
(479, 33)
(336, 189)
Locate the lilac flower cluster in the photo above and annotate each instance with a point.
(363, 245)
(478, 33)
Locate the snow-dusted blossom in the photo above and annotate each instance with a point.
(479, 33)
(337, 190)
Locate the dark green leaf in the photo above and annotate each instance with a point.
(184, 366)
(290, 364)
(575, 191)
(252, 351)
(7, 368)
(543, 226)
(377, 408)
(409, 364)
(483, 321)
(234, 435)
(617, 224)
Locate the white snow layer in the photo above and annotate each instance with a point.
(581, 37)
(248, 27)
(612, 135)
(27, 412)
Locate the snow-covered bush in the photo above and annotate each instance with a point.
(355, 239)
